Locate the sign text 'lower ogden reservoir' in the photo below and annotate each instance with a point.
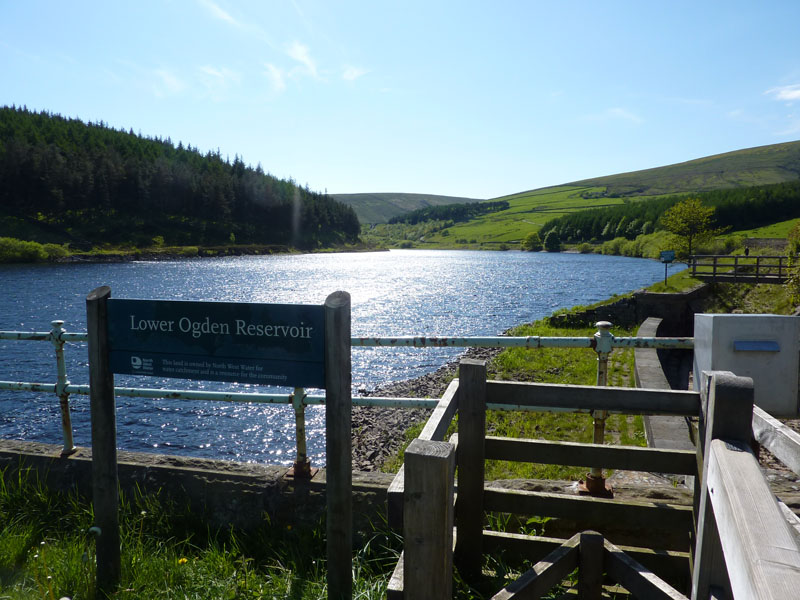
(273, 344)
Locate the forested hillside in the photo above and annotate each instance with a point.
(380, 207)
(65, 180)
(452, 212)
(741, 208)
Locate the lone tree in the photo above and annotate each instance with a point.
(532, 242)
(691, 223)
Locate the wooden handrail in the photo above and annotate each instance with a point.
(738, 268)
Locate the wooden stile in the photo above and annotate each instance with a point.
(471, 466)
(599, 511)
(776, 437)
(636, 578)
(728, 414)
(545, 574)
(590, 566)
(435, 429)
(428, 523)
(761, 554)
(630, 401)
(629, 458)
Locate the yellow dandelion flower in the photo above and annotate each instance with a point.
(183, 561)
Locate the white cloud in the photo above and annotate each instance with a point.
(787, 93)
(218, 80)
(218, 13)
(301, 54)
(624, 114)
(275, 76)
(167, 83)
(351, 73)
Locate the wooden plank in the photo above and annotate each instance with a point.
(630, 458)
(105, 482)
(394, 590)
(777, 438)
(791, 518)
(545, 574)
(428, 520)
(761, 554)
(394, 500)
(471, 465)
(636, 578)
(439, 421)
(435, 429)
(597, 513)
(631, 401)
(338, 451)
(671, 566)
(590, 566)
(727, 413)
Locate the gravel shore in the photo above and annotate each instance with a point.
(378, 433)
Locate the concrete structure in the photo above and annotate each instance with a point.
(764, 347)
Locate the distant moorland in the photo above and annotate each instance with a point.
(760, 170)
(380, 208)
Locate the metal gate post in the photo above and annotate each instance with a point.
(301, 469)
(595, 483)
(61, 387)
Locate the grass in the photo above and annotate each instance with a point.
(167, 552)
(679, 282)
(576, 366)
(550, 365)
(774, 230)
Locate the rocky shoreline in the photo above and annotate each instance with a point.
(379, 433)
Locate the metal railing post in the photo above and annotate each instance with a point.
(301, 469)
(61, 387)
(603, 344)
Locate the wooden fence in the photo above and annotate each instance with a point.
(743, 540)
(726, 268)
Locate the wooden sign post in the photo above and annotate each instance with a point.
(105, 495)
(267, 344)
(338, 449)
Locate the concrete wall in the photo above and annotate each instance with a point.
(223, 492)
(764, 347)
(676, 311)
(662, 431)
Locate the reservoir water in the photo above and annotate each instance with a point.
(401, 292)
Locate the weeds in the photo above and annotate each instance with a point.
(168, 551)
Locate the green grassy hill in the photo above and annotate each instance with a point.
(743, 168)
(529, 210)
(379, 208)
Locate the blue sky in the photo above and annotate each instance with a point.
(464, 98)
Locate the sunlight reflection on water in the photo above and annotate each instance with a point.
(403, 292)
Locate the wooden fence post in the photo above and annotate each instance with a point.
(105, 491)
(728, 415)
(471, 466)
(338, 450)
(428, 521)
(590, 566)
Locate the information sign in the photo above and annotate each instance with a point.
(667, 256)
(268, 344)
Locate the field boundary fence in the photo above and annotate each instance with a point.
(602, 343)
